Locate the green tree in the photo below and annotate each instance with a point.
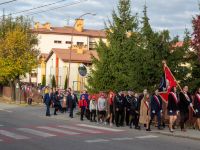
(66, 82)
(18, 53)
(53, 82)
(112, 69)
(154, 47)
(43, 80)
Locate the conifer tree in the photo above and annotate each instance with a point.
(112, 70)
(53, 82)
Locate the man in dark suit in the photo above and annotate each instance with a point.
(156, 108)
(47, 101)
(119, 104)
(184, 104)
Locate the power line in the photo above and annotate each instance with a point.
(42, 6)
(70, 4)
(7, 2)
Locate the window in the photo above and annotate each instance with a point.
(68, 42)
(92, 46)
(57, 42)
(80, 43)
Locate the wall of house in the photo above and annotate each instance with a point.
(46, 41)
(50, 69)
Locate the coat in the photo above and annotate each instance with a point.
(47, 99)
(184, 102)
(197, 105)
(156, 103)
(173, 105)
(144, 113)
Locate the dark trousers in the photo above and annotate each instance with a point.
(158, 114)
(93, 115)
(87, 114)
(82, 112)
(71, 110)
(184, 116)
(127, 116)
(48, 110)
(119, 115)
(58, 107)
(134, 119)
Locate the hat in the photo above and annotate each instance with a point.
(93, 97)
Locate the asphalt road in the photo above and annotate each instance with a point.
(26, 128)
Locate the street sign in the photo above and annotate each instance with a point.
(82, 70)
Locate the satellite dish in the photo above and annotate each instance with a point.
(82, 70)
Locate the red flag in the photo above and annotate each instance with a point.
(170, 82)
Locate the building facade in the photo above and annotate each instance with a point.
(62, 50)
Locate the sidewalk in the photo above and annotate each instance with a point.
(190, 133)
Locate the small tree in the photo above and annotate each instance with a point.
(44, 80)
(66, 84)
(53, 82)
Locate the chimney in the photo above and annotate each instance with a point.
(47, 26)
(79, 25)
(37, 25)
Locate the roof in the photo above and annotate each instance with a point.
(178, 44)
(64, 55)
(70, 31)
(44, 55)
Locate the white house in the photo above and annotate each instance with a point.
(56, 44)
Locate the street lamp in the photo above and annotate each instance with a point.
(70, 53)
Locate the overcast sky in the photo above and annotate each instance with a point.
(174, 15)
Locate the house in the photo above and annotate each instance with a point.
(57, 44)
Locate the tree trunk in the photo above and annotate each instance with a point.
(12, 86)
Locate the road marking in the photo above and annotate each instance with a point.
(101, 128)
(146, 137)
(36, 132)
(59, 131)
(13, 135)
(80, 129)
(5, 110)
(1, 125)
(1, 140)
(97, 141)
(122, 139)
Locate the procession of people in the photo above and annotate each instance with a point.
(128, 108)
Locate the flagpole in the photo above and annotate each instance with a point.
(165, 65)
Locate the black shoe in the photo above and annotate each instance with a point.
(159, 128)
(131, 127)
(148, 129)
(55, 114)
(137, 128)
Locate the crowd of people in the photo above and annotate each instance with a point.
(127, 107)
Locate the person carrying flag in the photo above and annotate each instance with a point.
(156, 108)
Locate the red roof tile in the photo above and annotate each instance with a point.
(70, 30)
(64, 54)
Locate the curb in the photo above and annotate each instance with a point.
(176, 135)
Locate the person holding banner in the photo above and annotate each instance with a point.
(197, 107)
(145, 112)
(185, 103)
(156, 108)
(172, 107)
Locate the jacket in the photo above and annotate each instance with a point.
(173, 105)
(93, 104)
(144, 112)
(156, 103)
(101, 104)
(119, 102)
(82, 103)
(185, 101)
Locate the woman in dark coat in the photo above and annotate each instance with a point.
(197, 106)
(172, 108)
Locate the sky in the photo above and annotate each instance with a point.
(174, 15)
